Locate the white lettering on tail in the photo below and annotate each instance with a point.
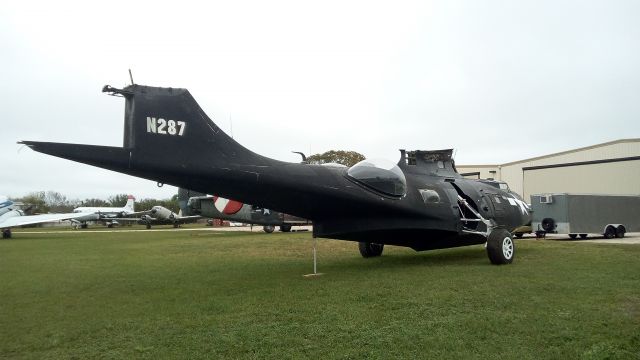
(165, 127)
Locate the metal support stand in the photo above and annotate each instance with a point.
(315, 260)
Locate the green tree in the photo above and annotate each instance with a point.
(57, 202)
(93, 203)
(35, 201)
(347, 158)
(118, 200)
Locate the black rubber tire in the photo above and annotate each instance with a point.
(268, 228)
(285, 228)
(368, 250)
(519, 235)
(610, 232)
(583, 236)
(620, 231)
(176, 225)
(84, 226)
(573, 236)
(548, 224)
(500, 247)
(6, 233)
(110, 226)
(148, 226)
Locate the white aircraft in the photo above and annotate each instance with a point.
(108, 215)
(11, 216)
(160, 215)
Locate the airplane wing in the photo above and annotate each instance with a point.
(188, 219)
(37, 219)
(192, 217)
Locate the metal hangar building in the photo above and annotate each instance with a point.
(607, 168)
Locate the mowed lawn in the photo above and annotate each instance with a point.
(203, 294)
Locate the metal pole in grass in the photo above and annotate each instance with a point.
(315, 260)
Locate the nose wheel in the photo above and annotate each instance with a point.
(500, 247)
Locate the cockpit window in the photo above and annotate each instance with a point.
(380, 175)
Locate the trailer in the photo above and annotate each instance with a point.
(584, 214)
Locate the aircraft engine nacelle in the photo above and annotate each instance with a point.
(162, 213)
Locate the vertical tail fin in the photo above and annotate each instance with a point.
(130, 203)
(167, 126)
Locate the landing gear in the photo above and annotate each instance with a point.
(285, 228)
(583, 236)
(268, 228)
(84, 226)
(148, 226)
(6, 233)
(176, 225)
(368, 250)
(573, 236)
(110, 225)
(518, 235)
(620, 231)
(500, 247)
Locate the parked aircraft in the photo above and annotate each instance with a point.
(420, 202)
(160, 215)
(221, 208)
(11, 216)
(107, 215)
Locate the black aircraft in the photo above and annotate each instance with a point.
(420, 202)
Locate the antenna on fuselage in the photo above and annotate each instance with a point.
(131, 77)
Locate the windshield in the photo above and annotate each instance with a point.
(380, 175)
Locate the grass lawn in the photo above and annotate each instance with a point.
(242, 295)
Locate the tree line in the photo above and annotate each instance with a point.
(42, 202)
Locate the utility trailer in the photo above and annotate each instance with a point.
(584, 214)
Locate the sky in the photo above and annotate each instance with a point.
(498, 81)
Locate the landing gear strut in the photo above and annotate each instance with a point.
(6, 233)
(500, 245)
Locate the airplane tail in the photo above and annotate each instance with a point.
(130, 203)
(167, 138)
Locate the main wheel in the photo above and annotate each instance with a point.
(268, 228)
(610, 232)
(285, 227)
(6, 233)
(500, 247)
(620, 231)
(368, 250)
(583, 236)
(519, 235)
(109, 226)
(84, 226)
(573, 236)
(176, 225)
(148, 226)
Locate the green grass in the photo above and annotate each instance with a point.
(242, 295)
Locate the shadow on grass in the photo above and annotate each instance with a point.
(464, 256)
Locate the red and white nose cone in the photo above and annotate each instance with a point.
(226, 206)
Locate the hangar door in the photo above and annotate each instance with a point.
(612, 176)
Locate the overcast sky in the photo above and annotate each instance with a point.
(498, 81)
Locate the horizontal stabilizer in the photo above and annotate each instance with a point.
(112, 158)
